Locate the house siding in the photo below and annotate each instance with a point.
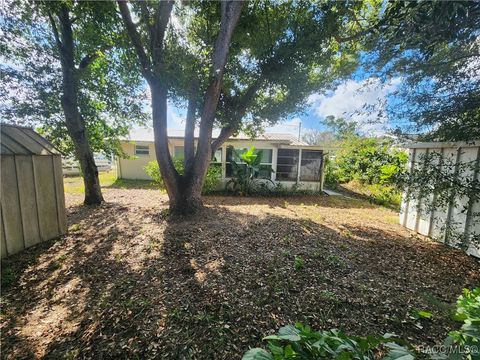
(133, 167)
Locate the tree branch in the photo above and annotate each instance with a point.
(136, 41)
(224, 135)
(189, 141)
(240, 108)
(230, 14)
(162, 17)
(87, 60)
(55, 33)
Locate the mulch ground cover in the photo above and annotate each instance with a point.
(129, 282)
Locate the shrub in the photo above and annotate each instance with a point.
(332, 177)
(212, 179)
(467, 338)
(370, 161)
(301, 342)
(246, 167)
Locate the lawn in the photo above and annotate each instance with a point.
(73, 185)
(127, 282)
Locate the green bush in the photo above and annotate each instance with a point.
(212, 179)
(331, 178)
(468, 336)
(246, 167)
(370, 161)
(301, 342)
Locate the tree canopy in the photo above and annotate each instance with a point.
(239, 67)
(111, 94)
(433, 47)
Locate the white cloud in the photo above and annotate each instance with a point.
(360, 101)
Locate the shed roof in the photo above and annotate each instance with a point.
(19, 140)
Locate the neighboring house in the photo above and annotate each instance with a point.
(293, 161)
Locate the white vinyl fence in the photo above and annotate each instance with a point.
(455, 222)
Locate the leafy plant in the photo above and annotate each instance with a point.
(467, 338)
(246, 167)
(370, 161)
(421, 314)
(301, 342)
(299, 263)
(210, 184)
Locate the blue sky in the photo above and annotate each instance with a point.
(347, 101)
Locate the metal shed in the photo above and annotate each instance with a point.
(458, 223)
(32, 198)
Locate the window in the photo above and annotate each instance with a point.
(265, 164)
(142, 150)
(311, 165)
(287, 164)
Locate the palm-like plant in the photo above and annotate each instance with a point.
(245, 167)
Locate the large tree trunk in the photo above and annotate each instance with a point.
(184, 191)
(76, 130)
(73, 118)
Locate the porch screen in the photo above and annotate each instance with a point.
(311, 165)
(287, 164)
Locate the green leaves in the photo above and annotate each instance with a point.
(245, 173)
(257, 354)
(433, 47)
(398, 352)
(110, 98)
(301, 342)
(421, 314)
(468, 336)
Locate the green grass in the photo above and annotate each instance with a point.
(108, 179)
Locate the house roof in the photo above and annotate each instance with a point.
(18, 140)
(146, 134)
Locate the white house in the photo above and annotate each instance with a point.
(293, 161)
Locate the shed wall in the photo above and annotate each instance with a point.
(32, 201)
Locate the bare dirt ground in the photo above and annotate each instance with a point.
(127, 282)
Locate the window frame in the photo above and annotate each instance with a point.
(295, 164)
(302, 159)
(145, 148)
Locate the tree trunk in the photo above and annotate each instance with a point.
(73, 119)
(188, 200)
(77, 131)
(184, 191)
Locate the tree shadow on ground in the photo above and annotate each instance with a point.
(129, 283)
